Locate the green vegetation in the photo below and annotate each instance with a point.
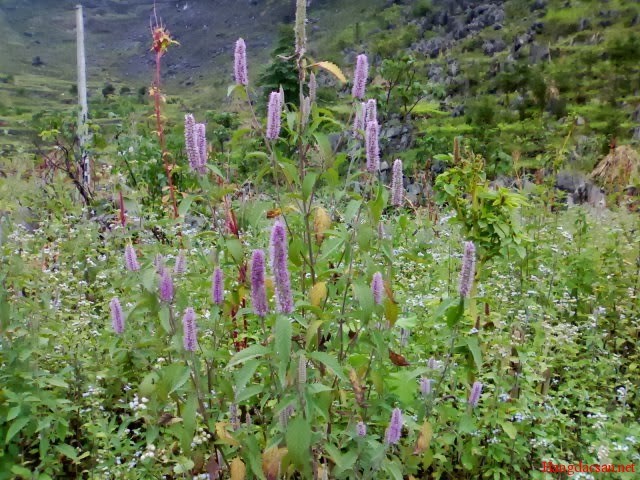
(396, 357)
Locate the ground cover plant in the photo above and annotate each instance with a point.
(265, 306)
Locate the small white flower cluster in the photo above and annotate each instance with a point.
(150, 452)
(202, 476)
(540, 442)
(603, 454)
(138, 404)
(200, 437)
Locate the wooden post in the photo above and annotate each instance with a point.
(82, 100)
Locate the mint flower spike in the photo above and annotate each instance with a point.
(131, 259)
(372, 147)
(397, 184)
(474, 396)
(467, 272)
(371, 108)
(258, 288)
(394, 430)
(377, 286)
(166, 286)
(279, 267)
(200, 130)
(274, 112)
(190, 141)
(240, 63)
(117, 317)
(360, 76)
(180, 266)
(217, 287)
(190, 340)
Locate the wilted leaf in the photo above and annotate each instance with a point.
(398, 359)
(238, 469)
(321, 223)
(424, 439)
(271, 460)
(223, 435)
(275, 213)
(333, 69)
(318, 293)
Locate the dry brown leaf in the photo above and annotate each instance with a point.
(398, 359)
(238, 469)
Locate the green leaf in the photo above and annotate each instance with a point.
(164, 314)
(23, 472)
(67, 451)
(234, 246)
(188, 422)
(510, 429)
(467, 424)
(307, 185)
(282, 346)
(298, 439)
(185, 205)
(330, 362)
(243, 375)
(172, 378)
(242, 356)
(474, 348)
(13, 413)
(364, 296)
(15, 427)
(248, 392)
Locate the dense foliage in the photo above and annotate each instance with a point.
(135, 343)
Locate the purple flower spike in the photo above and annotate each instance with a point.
(273, 115)
(377, 287)
(371, 111)
(425, 386)
(131, 259)
(200, 130)
(190, 142)
(361, 428)
(474, 396)
(258, 289)
(166, 286)
(358, 119)
(117, 318)
(397, 184)
(372, 147)
(158, 262)
(468, 269)
(240, 63)
(189, 330)
(360, 76)
(279, 259)
(181, 263)
(395, 428)
(217, 287)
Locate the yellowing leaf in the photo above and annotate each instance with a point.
(424, 440)
(271, 460)
(224, 436)
(321, 223)
(391, 311)
(318, 293)
(333, 69)
(238, 470)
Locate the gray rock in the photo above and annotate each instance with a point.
(583, 24)
(538, 53)
(538, 5)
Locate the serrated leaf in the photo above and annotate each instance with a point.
(298, 439)
(424, 439)
(318, 293)
(242, 356)
(67, 451)
(330, 362)
(510, 429)
(282, 346)
(333, 69)
(307, 185)
(238, 469)
(15, 427)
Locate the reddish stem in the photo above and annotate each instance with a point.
(163, 147)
